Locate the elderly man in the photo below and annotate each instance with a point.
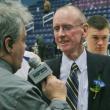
(82, 71)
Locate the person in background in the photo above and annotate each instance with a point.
(16, 93)
(35, 48)
(41, 47)
(47, 6)
(98, 30)
(91, 70)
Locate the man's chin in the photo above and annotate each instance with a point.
(63, 49)
(100, 52)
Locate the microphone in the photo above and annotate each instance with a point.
(39, 70)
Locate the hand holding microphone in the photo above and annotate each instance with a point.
(52, 87)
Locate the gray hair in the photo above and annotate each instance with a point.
(10, 22)
(20, 9)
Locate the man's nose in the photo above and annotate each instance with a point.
(100, 42)
(61, 32)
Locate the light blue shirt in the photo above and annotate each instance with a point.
(82, 77)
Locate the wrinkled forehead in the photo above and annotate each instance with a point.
(63, 16)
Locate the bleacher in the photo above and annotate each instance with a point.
(43, 25)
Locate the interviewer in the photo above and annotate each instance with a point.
(15, 93)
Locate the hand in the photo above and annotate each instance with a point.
(54, 88)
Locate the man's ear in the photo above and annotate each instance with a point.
(85, 28)
(8, 44)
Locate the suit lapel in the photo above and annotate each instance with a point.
(58, 64)
(94, 68)
(54, 64)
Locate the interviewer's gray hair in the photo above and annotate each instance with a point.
(12, 20)
(21, 9)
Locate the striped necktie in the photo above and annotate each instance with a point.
(72, 87)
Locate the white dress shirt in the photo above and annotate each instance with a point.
(82, 77)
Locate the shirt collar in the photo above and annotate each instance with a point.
(81, 61)
(6, 65)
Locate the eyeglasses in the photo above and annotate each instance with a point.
(66, 27)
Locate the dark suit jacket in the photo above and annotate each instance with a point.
(97, 65)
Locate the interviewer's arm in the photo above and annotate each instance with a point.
(33, 101)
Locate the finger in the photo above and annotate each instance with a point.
(43, 86)
(51, 77)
